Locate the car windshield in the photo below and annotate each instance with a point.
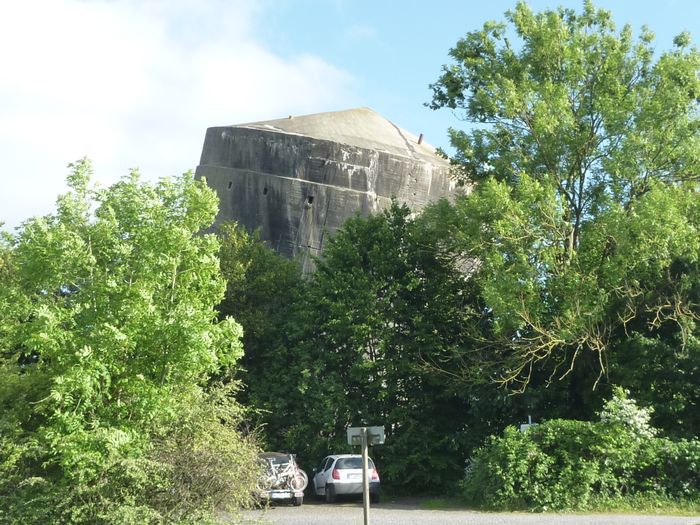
(350, 463)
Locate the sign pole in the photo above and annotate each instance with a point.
(365, 477)
(365, 436)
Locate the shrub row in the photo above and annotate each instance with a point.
(564, 464)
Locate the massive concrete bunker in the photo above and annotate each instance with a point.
(299, 178)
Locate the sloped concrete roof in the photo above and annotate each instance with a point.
(360, 127)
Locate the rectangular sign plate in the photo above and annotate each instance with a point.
(375, 435)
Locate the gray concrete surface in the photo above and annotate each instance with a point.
(407, 513)
(298, 179)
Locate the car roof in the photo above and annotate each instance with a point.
(340, 456)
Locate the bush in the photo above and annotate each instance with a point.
(108, 341)
(201, 464)
(564, 464)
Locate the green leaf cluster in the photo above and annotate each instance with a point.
(262, 289)
(584, 219)
(364, 339)
(576, 465)
(386, 305)
(108, 335)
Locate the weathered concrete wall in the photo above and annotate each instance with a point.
(299, 189)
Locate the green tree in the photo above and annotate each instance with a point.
(385, 306)
(661, 365)
(584, 219)
(262, 291)
(107, 336)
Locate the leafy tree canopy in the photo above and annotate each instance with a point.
(383, 308)
(262, 290)
(107, 334)
(586, 153)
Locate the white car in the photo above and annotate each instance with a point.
(341, 474)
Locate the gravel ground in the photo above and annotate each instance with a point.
(410, 512)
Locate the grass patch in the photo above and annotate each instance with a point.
(643, 504)
(646, 504)
(443, 504)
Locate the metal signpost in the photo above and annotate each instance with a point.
(527, 425)
(365, 436)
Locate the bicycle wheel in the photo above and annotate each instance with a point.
(299, 480)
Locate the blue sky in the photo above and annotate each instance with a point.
(135, 83)
(394, 50)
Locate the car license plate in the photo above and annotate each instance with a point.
(354, 476)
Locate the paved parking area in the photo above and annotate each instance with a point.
(410, 512)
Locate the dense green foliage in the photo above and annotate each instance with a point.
(107, 336)
(369, 336)
(262, 291)
(566, 464)
(585, 217)
(362, 341)
(626, 304)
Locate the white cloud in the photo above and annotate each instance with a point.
(135, 83)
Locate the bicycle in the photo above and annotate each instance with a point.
(283, 474)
